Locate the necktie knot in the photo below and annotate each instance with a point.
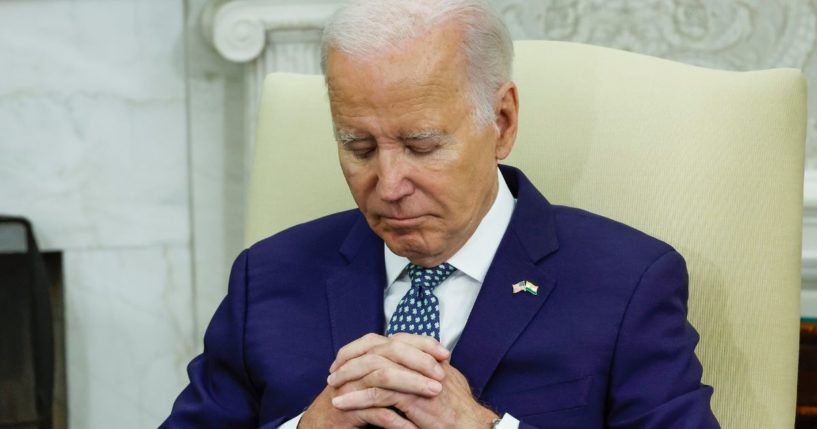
(429, 278)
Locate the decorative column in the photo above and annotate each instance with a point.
(269, 37)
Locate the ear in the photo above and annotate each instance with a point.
(506, 108)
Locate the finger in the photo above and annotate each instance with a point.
(402, 380)
(360, 367)
(385, 418)
(424, 343)
(377, 371)
(356, 348)
(392, 377)
(372, 397)
(357, 368)
(411, 357)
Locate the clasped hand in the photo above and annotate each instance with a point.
(375, 376)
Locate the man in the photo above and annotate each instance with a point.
(546, 316)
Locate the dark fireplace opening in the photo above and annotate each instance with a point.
(32, 331)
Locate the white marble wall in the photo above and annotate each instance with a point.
(92, 98)
(94, 150)
(130, 334)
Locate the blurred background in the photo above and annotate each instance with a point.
(126, 128)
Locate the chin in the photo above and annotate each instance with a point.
(417, 252)
(402, 246)
(409, 245)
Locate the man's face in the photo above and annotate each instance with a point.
(419, 168)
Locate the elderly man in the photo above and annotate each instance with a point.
(456, 296)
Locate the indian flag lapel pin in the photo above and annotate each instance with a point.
(526, 286)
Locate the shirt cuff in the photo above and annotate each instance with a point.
(293, 422)
(508, 422)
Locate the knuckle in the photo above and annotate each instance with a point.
(402, 345)
(387, 417)
(382, 376)
(370, 359)
(393, 348)
(386, 351)
(370, 363)
(343, 351)
(373, 394)
(400, 335)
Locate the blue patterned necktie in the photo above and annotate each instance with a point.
(418, 312)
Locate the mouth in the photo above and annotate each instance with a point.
(402, 222)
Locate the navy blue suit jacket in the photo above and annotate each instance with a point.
(605, 343)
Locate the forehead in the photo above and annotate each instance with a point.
(420, 74)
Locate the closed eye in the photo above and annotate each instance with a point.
(361, 149)
(363, 154)
(422, 147)
(424, 142)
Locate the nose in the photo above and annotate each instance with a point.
(393, 183)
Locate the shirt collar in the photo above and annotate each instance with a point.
(474, 258)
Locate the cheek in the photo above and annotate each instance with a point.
(444, 197)
(466, 188)
(362, 186)
(451, 185)
(354, 180)
(358, 189)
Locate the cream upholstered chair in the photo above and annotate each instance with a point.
(709, 161)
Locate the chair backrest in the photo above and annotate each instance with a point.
(709, 161)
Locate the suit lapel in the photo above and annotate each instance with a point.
(355, 292)
(499, 316)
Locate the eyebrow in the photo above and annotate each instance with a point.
(345, 137)
(424, 134)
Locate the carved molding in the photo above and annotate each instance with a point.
(238, 29)
(732, 35)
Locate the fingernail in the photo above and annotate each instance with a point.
(332, 367)
(434, 387)
(442, 350)
(337, 401)
(330, 379)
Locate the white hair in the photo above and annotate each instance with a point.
(367, 28)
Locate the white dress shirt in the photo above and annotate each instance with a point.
(459, 291)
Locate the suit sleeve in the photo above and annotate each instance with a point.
(655, 381)
(220, 394)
